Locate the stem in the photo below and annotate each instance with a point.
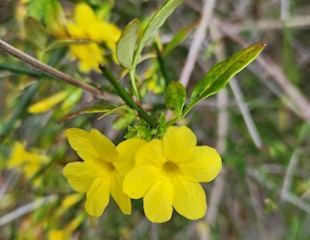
(126, 97)
(132, 74)
(173, 121)
(161, 63)
(49, 70)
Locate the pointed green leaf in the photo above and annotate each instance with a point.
(154, 24)
(126, 45)
(220, 74)
(92, 109)
(179, 37)
(116, 110)
(175, 97)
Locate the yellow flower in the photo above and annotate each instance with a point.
(88, 26)
(31, 162)
(103, 169)
(167, 175)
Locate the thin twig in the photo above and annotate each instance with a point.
(244, 109)
(297, 202)
(285, 9)
(21, 211)
(277, 73)
(51, 71)
(199, 37)
(270, 24)
(289, 173)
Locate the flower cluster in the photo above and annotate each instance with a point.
(89, 32)
(164, 172)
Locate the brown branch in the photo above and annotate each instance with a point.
(52, 71)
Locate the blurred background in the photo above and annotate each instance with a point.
(259, 122)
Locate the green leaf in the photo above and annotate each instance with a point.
(55, 19)
(126, 45)
(36, 32)
(37, 9)
(52, 13)
(175, 97)
(220, 74)
(92, 109)
(154, 24)
(124, 120)
(116, 110)
(179, 37)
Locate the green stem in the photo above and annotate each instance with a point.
(173, 121)
(161, 64)
(126, 97)
(132, 74)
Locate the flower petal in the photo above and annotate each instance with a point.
(105, 148)
(84, 16)
(179, 144)
(79, 141)
(122, 200)
(79, 176)
(18, 155)
(204, 165)
(88, 55)
(189, 199)
(127, 152)
(98, 196)
(139, 180)
(151, 154)
(158, 202)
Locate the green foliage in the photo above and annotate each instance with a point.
(175, 97)
(219, 75)
(36, 33)
(179, 37)
(127, 43)
(154, 24)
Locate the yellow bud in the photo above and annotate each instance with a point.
(47, 103)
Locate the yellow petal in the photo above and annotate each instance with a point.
(84, 16)
(105, 32)
(151, 154)
(89, 55)
(127, 152)
(48, 103)
(204, 165)
(105, 148)
(79, 141)
(189, 199)
(75, 31)
(139, 180)
(179, 144)
(122, 200)
(79, 176)
(98, 196)
(31, 168)
(157, 202)
(18, 155)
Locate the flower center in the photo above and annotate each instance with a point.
(110, 166)
(171, 167)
